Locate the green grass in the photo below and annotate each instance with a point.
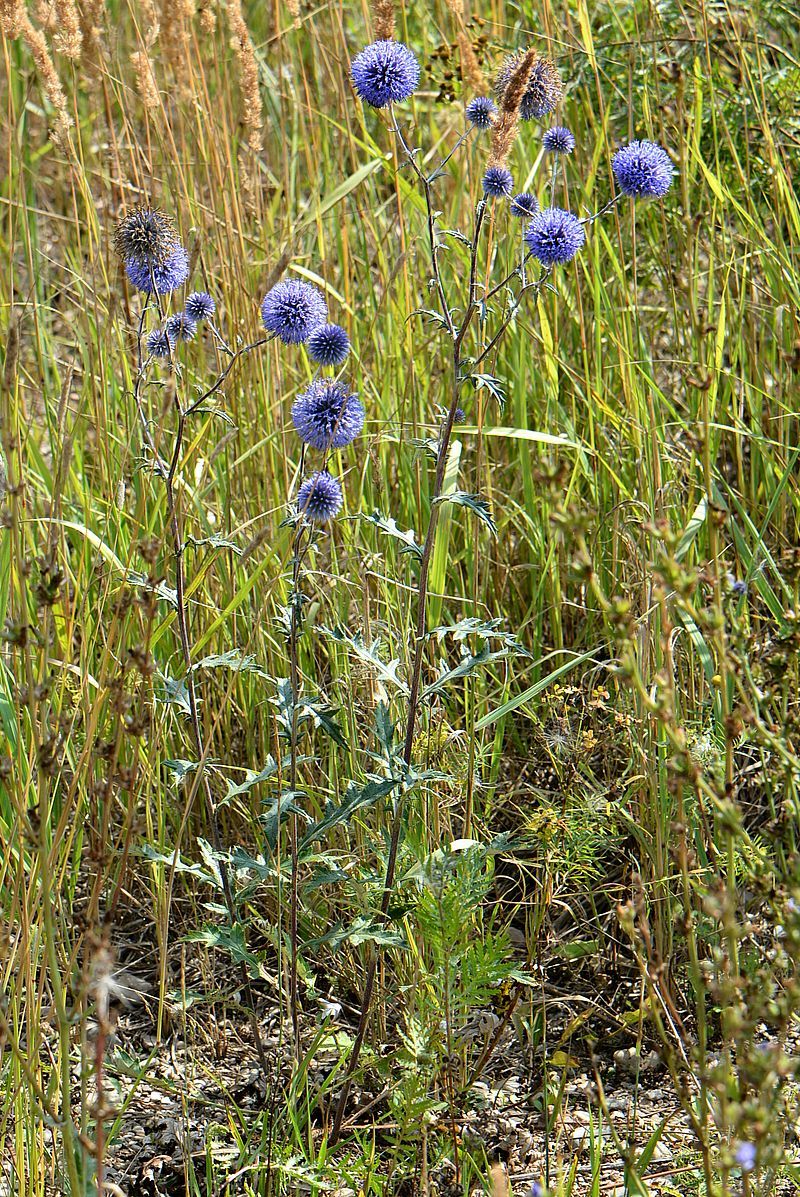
(649, 430)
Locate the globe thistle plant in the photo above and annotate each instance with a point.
(481, 112)
(328, 415)
(498, 182)
(159, 276)
(558, 140)
(292, 309)
(643, 170)
(384, 73)
(329, 345)
(524, 206)
(554, 236)
(180, 327)
(159, 343)
(200, 306)
(319, 498)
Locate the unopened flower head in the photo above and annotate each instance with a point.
(558, 140)
(525, 205)
(162, 277)
(329, 345)
(180, 327)
(200, 306)
(158, 343)
(319, 497)
(543, 92)
(384, 73)
(746, 1156)
(498, 182)
(643, 169)
(145, 236)
(328, 415)
(481, 112)
(292, 309)
(459, 416)
(554, 236)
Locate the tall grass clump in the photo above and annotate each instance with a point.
(399, 767)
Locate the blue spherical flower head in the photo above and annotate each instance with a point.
(554, 236)
(200, 306)
(292, 310)
(525, 205)
(385, 73)
(643, 168)
(328, 415)
(498, 182)
(319, 497)
(558, 140)
(329, 345)
(180, 327)
(460, 416)
(163, 276)
(159, 344)
(481, 111)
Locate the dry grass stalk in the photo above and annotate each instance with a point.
(505, 129)
(471, 71)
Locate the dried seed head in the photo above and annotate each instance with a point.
(146, 236)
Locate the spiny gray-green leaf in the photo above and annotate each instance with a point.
(356, 798)
(160, 589)
(384, 727)
(231, 940)
(493, 385)
(476, 504)
(174, 860)
(468, 665)
(234, 659)
(386, 670)
(180, 769)
(362, 930)
(175, 693)
(212, 542)
(491, 629)
(388, 525)
(251, 778)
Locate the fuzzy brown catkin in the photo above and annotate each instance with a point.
(145, 79)
(12, 17)
(471, 71)
(505, 128)
(383, 18)
(208, 17)
(15, 22)
(67, 36)
(248, 74)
